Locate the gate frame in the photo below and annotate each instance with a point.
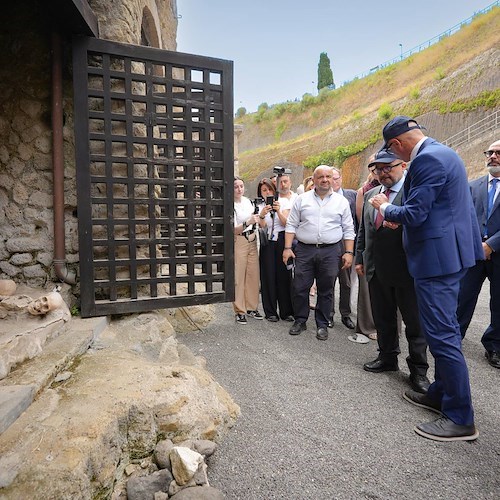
(81, 47)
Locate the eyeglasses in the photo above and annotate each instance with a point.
(386, 168)
(335, 179)
(492, 152)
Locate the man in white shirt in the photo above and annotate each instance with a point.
(320, 220)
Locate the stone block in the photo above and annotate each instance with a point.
(35, 271)
(25, 245)
(140, 488)
(185, 463)
(20, 259)
(14, 399)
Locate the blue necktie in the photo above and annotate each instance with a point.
(491, 195)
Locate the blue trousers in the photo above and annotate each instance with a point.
(437, 302)
(470, 287)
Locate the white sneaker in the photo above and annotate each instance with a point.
(255, 314)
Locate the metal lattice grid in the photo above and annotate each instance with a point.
(154, 150)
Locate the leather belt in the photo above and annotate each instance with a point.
(319, 245)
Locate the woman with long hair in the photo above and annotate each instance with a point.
(246, 259)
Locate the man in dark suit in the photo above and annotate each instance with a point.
(442, 240)
(381, 258)
(485, 194)
(344, 276)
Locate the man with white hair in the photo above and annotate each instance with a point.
(320, 220)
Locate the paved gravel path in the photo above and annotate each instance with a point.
(314, 425)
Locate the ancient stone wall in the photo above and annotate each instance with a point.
(26, 212)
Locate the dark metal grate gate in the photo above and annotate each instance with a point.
(154, 159)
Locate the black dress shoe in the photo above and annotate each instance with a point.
(444, 429)
(331, 322)
(297, 327)
(347, 321)
(419, 383)
(378, 366)
(290, 319)
(322, 333)
(272, 319)
(493, 358)
(423, 401)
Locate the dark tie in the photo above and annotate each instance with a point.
(491, 194)
(379, 219)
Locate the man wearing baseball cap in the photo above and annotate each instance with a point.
(381, 258)
(441, 239)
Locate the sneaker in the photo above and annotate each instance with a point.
(255, 314)
(241, 319)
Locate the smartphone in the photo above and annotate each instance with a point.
(269, 200)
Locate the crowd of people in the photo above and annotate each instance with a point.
(421, 240)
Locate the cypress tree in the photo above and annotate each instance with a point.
(325, 73)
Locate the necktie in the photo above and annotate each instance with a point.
(491, 194)
(379, 219)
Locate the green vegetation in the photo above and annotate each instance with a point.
(385, 111)
(414, 92)
(241, 112)
(336, 157)
(279, 130)
(439, 74)
(325, 73)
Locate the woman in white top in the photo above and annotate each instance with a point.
(246, 258)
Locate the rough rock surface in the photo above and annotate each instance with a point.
(134, 387)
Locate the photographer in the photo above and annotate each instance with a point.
(276, 279)
(246, 260)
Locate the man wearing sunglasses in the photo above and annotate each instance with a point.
(486, 196)
(381, 258)
(441, 240)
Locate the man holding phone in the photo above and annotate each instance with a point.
(320, 220)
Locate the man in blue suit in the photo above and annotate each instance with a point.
(485, 194)
(441, 239)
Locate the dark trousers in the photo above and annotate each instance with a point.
(437, 302)
(385, 300)
(344, 279)
(470, 287)
(322, 265)
(275, 280)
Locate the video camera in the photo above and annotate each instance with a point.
(281, 171)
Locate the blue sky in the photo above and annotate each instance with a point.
(275, 44)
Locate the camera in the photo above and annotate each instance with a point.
(269, 200)
(282, 171)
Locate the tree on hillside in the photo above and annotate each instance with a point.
(325, 73)
(241, 112)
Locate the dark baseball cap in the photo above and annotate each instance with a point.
(383, 156)
(397, 126)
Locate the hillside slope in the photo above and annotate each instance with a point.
(449, 85)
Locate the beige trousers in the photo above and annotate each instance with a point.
(246, 275)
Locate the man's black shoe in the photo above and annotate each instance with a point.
(423, 401)
(419, 383)
(290, 319)
(322, 333)
(297, 327)
(493, 358)
(378, 366)
(444, 429)
(331, 322)
(347, 321)
(272, 319)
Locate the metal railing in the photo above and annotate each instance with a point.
(490, 122)
(426, 44)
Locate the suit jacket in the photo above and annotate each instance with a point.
(350, 195)
(381, 250)
(479, 191)
(440, 229)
